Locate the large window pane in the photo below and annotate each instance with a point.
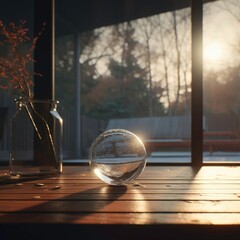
(221, 39)
(134, 75)
(12, 11)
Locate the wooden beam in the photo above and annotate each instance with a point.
(197, 95)
(44, 51)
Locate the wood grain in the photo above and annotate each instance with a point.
(161, 195)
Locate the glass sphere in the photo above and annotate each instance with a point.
(117, 156)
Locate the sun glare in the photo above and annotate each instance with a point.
(215, 55)
(213, 52)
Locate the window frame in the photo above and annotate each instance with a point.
(197, 73)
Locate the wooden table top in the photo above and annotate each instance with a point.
(160, 199)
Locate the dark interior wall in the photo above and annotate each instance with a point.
(74, 16)
(14, 10)
(77, 16)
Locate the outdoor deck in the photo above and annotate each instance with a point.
(163, 203)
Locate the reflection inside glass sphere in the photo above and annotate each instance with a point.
(117, 156)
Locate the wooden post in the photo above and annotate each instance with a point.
(44, 51)
(44, 55)
(197, 91)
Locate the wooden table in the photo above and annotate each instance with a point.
(163, 203)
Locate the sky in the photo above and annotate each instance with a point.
(221, 31)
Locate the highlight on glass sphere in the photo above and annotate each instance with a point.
(117, 156)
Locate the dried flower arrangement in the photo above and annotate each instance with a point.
(14, 68)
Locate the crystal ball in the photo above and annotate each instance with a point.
(117, 156)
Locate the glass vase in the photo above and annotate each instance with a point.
(35, 139)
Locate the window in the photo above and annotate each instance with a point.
(221, 71)
(11, 11)
(134, 75)
(129, 65)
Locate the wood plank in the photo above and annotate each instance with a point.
(89, 189)
(121, 206)
(59, 180)
(154, 172)
(122, 197)
(120, 218)
(138, 185)
(122, 191)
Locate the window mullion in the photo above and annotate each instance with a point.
(197, 91)
(44, 51)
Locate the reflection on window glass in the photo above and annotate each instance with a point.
(135, 75)
(12, 11)
(221, 59)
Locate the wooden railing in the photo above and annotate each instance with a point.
(213, 141)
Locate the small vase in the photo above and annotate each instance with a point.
(35, 139)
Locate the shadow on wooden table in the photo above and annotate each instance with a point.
(84, 208)
(48, 215)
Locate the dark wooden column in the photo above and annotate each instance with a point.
(44, 51)
(44, 64)
(197, 91)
